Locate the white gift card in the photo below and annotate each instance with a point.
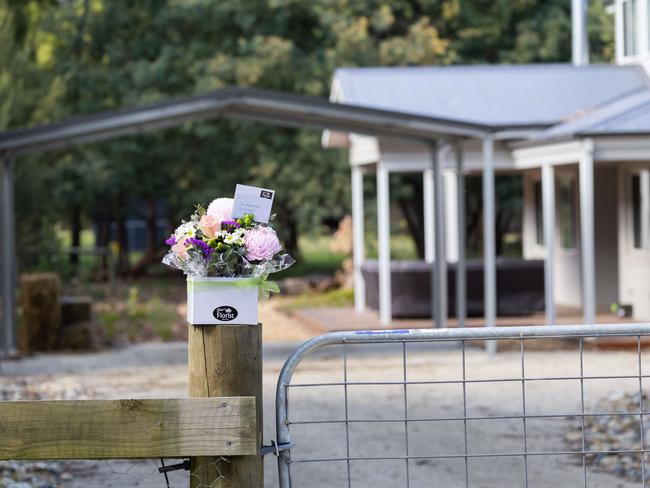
(253, 200)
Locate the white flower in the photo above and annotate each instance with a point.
(185, 230)
(232, 239)
(221, 209)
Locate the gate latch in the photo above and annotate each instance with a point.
(276, 448)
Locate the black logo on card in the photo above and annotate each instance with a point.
(266, 194)
(225, 313)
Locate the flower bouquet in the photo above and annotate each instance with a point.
(227, 261)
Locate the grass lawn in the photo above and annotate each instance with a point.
(341, 297)
(317, 258)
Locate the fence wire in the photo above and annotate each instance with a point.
(558, 406)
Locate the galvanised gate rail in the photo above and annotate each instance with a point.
(584, 452)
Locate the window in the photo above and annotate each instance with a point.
(567, 211)
(637, 231)
(630, 27)
(539, 213)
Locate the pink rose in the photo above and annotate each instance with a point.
(180, 249)
(209, 225)
(261, 243)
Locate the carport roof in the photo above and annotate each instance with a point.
(268, 106)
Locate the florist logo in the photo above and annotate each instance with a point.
(225, 313)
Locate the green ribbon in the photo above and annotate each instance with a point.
(265, 287)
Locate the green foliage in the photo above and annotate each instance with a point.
(61, 59)
(317, 258)
(136, 316)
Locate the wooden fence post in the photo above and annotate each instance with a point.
(226, 360)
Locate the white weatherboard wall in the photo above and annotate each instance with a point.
(634, 264)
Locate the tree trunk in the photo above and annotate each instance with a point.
(154, 251)
(414, 221)
(75, 230)
(289, 224)
(123, 265)
(412, 207)
(102, 238)
(152, 237)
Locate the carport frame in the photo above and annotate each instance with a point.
(272, 107)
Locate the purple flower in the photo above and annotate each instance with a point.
(171, 240)
(230, 223)
(205, 249)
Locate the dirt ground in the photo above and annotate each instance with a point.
(159, 371)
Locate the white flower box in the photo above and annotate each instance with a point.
(214, 301)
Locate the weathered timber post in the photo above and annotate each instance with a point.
(226, 360)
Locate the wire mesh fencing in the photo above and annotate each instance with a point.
(557, 406)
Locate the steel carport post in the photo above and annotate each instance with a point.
(548, 217)
(8, 265)
(439, 272)
(461, 287)
(489, 239)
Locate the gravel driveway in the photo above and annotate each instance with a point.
(159, 371)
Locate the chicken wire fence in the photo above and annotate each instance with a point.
(557, 406)
(150, 473)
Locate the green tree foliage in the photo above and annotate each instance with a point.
(60, 59)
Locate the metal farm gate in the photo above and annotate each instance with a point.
(557, 406)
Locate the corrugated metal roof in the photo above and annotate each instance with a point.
(635, 121)
(629, 115)
(503, 95)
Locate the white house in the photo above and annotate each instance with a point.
(578, 133)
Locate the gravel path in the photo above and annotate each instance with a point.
(159, 371)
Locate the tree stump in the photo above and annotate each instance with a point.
(41, 312)
(76, 324)
(76, 309)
